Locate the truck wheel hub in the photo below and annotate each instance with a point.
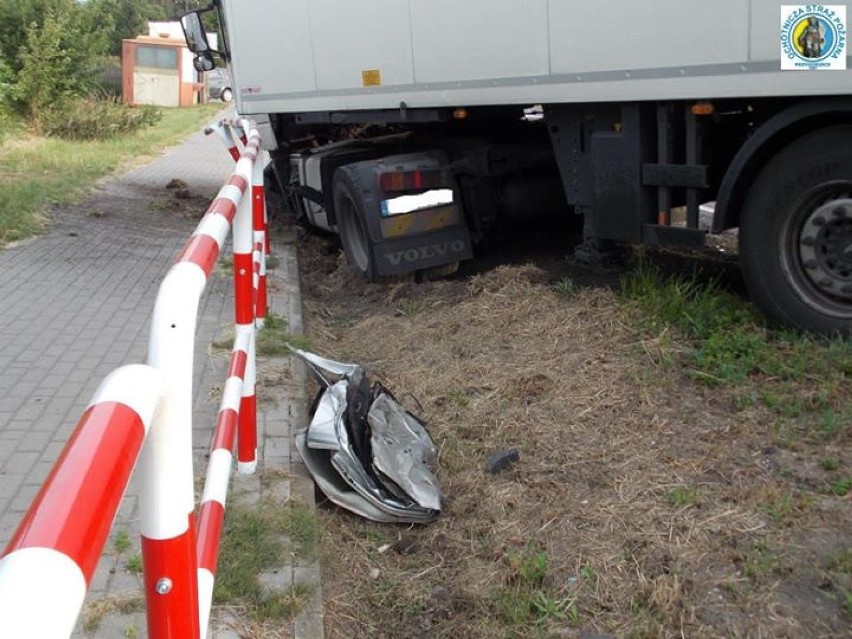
(825, 248)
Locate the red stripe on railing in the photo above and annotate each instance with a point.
(211, 515)
(75, 507)
(171, 585)
(243, 289)
(201, 250)
(247, 439)
(239, 182)
(226, 429)
(262, 301)
(237, 367)
(235, 152)
(257, 206)
(224, 207)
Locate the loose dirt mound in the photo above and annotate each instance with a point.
(643, 504)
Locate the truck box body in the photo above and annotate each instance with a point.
(622, 115)
(325, 55)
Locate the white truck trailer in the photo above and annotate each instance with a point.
(399, 125)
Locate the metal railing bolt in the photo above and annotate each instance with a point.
(163, 586)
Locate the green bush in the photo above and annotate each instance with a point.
(96, 118)
(57, 65)
(7, 77)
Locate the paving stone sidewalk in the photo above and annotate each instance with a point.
(76, 303)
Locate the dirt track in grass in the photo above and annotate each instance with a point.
(644, 503)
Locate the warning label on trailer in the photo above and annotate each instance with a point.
(813, 37)
(371, 78)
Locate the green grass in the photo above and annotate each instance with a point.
(409, 308)
(526, 598)
(133, 564)
(121, 543)
(303, 530)
(829, 424)
(683, 496)
(762, 562)
(842, 562)
(780, 508)
(459, 398)
(123, 604)
(743, 401)
(40, 172)
(565, 287)
(256, 540)
(273, 338)
(730, 342)
(644, 622)
(830, 463)
(840, 487)
(588, 573)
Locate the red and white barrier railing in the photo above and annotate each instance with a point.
(48, 565)
(211, 515)
(260, 220)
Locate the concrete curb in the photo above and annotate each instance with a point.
(286, 301)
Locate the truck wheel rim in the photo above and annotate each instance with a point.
(817, 249)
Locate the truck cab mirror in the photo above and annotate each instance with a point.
(193, 31)
(204, 62)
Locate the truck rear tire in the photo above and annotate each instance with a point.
(796, 234)
(350, 211)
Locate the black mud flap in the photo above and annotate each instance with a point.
(407, 254)
(423, 238)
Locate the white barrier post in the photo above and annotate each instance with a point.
(244, 310)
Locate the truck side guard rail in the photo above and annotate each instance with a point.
(49, 563)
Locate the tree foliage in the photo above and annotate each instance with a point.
(57, 61)
(174, 9)
(16, 17)
(53, 51)
(107, 22)
(123, 19)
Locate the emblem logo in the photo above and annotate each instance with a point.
(813, 37)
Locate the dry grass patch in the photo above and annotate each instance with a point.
(646, 501)
(122, 604)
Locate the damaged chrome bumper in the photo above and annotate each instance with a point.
(365, 451)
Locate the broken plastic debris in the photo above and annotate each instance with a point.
(502, 460)
(365, 451)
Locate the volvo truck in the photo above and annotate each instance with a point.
(416, 129)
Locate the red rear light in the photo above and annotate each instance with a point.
(398, 181)
(390, 182)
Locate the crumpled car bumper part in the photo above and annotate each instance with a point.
(365, 451)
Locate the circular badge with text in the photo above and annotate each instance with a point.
(813, 36)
